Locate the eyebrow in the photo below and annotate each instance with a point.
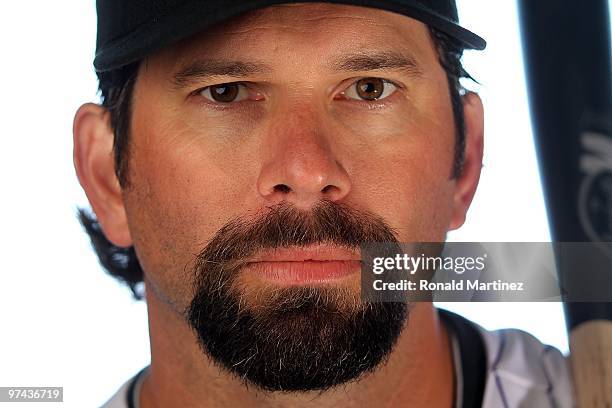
(373, 61)
(200, 70)
(204, 69)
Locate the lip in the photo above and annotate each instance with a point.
(302, 265)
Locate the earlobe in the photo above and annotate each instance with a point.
(94, 165)
(467, 182)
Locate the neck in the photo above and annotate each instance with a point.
(419, 371)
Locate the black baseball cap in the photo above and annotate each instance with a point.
(129, 30)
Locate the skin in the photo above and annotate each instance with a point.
(194, 165)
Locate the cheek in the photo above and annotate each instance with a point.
(180, 195)
(412, 198)
(406, 176)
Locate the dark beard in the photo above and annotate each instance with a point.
(301, 338)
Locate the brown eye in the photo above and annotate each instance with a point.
(224, 92)
(230, 92)
(370, 89)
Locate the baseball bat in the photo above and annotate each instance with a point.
(566, 47)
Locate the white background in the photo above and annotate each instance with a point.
(63, 322)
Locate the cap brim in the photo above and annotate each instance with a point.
(192, 17)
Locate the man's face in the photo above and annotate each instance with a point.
(196, 163)
(287, 110)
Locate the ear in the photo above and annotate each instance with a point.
(467, 182)
(95, 168)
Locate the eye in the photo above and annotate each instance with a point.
(225, 93)
(370, 89)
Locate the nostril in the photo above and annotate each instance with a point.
(283, 188)
(327, 188)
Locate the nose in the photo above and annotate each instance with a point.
(300, 166)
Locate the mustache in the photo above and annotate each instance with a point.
(284, 225)
(301, 338)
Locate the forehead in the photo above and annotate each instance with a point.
(317, 30)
